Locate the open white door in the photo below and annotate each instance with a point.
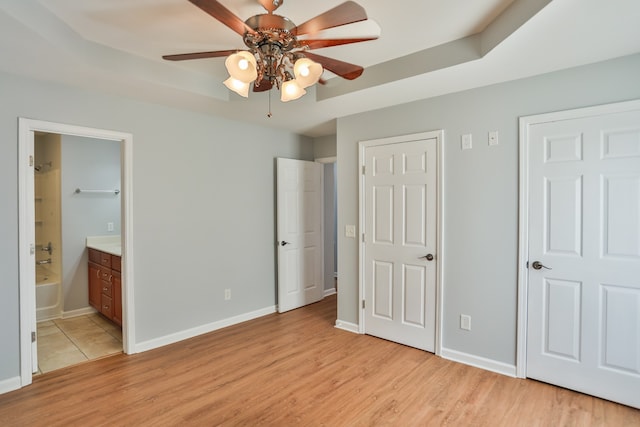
(400, 246)
(583, 300)
(300, 238)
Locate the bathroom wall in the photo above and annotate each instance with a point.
(87, 164)
(47, 201)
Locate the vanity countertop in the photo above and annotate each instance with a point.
(109, 244)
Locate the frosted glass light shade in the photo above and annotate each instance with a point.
(239, 87)
(307, 72)
(242, 66)
(291, 90)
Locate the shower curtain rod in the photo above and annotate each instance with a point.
(78, 191)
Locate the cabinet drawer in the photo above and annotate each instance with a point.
(105, 259)
(106, 288)
(115, 263)
(94, 256)
(105, 275)
(107, 306)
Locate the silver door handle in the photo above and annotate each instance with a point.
(429, 257)
(537, 265)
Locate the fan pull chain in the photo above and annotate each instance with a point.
(269, 113)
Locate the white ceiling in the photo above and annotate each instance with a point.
(426, 48)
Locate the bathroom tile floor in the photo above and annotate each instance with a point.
(65, 342)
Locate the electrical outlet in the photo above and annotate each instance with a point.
(465, 322)
(227, 294)
(493, 137)
(109, 226)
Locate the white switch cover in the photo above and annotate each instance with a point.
(109, 226)
(466, 142)
(350, 231)
(493, 137)
(465, 322)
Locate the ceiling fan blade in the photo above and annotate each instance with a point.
(265, 85)
(224, 15)
(271, 5)
(346, 13)
(318, 44)
(341, 68)
(199, 55)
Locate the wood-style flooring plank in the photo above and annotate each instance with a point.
(295, 369)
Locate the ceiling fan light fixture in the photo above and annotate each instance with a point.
(239, 87)
(275, 56)
(307, 72)
(242, 66)
(291, 90)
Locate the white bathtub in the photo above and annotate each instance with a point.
(48, 295)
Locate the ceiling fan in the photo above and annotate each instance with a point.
(276, 56)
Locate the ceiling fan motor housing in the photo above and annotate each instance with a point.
(271, 29)
(272, 41)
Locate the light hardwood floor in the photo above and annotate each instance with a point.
(295, 369)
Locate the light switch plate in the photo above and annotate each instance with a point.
(350, 231)
(466, 141)
(465, 322)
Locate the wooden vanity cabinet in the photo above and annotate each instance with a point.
(105, 284)
(95, 282)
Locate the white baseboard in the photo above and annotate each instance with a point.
(79, 312)
(347, 326)
(328, 292)
(190, 333)
(479, 362)
(10, 384)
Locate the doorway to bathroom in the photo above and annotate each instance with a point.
(74, 183)
(77, 194)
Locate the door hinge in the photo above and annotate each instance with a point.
(363, 304)
(363, 239)
(33, 337)
(30, 160)
(363, 169)
(32, 249)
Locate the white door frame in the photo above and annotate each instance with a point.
(362, 146)
(26, 129)
(523, 208)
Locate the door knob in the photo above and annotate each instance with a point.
(429, 257)
(537, 265)
(283, 243)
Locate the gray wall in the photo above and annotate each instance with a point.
(329, 225)
(324, 146)
(88, 164)
(480, 191)
(203, 206)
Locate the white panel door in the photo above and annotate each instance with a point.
(583, 326)
(400, 207)
(300, 238)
